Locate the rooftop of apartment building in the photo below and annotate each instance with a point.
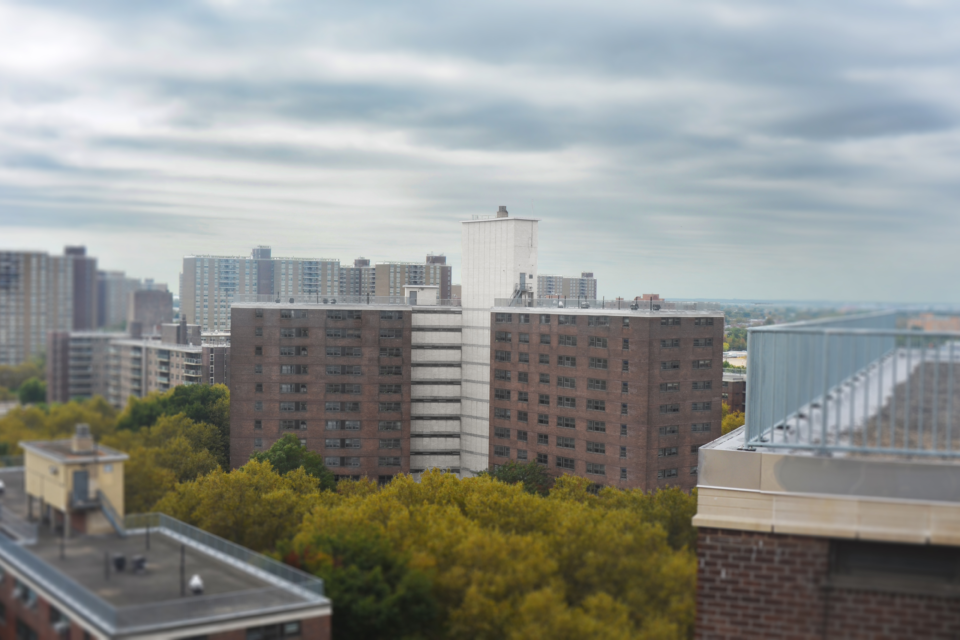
(373, 303)
(97, 577)
(584, 306)
(853, 431)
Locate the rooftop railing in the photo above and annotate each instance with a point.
(653, 306)
(316, 299)
(857, 385)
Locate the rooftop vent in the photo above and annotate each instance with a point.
(195, 585)
(502, 212)
(82, 441)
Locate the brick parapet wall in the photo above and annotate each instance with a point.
(763, 585)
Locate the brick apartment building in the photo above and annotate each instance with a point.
(625, 398)
(735, 391)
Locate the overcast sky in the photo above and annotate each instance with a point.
(806, 150)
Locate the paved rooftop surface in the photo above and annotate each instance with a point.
(61, 450)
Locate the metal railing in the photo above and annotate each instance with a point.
(226, 548)
(856, 384)
(650, 306)
(111, 514)
(326, 300)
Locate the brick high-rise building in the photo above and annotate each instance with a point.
(151, 308)
(623, 397)
(113, 294)
(85, 288)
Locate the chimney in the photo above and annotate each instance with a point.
(502, 212)
(82, 441)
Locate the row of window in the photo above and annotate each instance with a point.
(334, 461)
(385, 407)
(334, 370)
(562, 361)
(592, 321)
(566, 422)
(674, 429)
(694, 406)
(332, 425)
(354, 443)
(697, 385)
(598, 342)
(564, 382)
(333, 314)
(563, 442)
(502, 413)
(567, 464)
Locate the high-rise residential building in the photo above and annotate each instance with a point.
(559, 286)
(85, 288)
(210, 284)
(358, 280)
(79, 364)
(833, 512)
(36, 296)
(113, 295)
(624, 397)
(150, 308)
(391, 277)
(548, 286)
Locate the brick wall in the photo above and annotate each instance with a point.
(763, 585)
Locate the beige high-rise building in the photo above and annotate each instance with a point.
(549, 286)
(113, 295)
(391, 277)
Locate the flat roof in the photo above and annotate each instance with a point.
(61, 451)
(157, 344)
(494, 218)
(665, 313)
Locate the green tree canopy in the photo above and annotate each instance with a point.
(532, 476)
(288, 454)
(33, 391)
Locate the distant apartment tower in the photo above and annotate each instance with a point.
(150, 308)
(36, 296)
(113, 294)
(85, 288)
(78, 364)
(211, 283)
(558, 286)
(358, 280)
(622, 397)
(391, 277)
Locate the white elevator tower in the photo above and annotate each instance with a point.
(498, 254)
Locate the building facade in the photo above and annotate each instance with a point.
(735, 391)
(85, 288)
(78, 364)
(625, 398)
(585, 286)
(151, 308)
(113, 294)
(391, 277)
(358, 280)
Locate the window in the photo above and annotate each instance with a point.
(670, 408)
(702, 364)
(293, 351)
(596, 385)
(596, 447)
(524, 318)
(386, 388)
(501, 451)
(258, 405)
(670, 365)
(669, 322)
(566, 443)
(258, 313)
(523, 358)
(566, 422)
(544, 319)
(258, 331)
(544, 358)
(293, 406)
(693, 470)
(666, 452)
(544, 378)
(521, 416)
(626, 344)
(523, 376)
(543, 418)
(389, 352)
(258, 388)
(501, 394)
(291, 425)
(389, 407)
(568, 402)
(703, 322)
(258, 424)
(502, 414)
(293, 369)
(703, 385)
(600, 343)
(391, 334)
(700, 406)
(391, 371)
(24, 631)
(388, 425)
(625, 366)
(566, 383)
(503, 336)
(294, 333)
(390, 443)
(669, 387)
(694, 448)
(521, 454)
(598, 321)
(293, 388)
(671, 430)
(521, 435)
(566, 319)
(544, 399)
(501, 432)
(295, 313)
(502, 356)
(393, 461)
(623, 452)
(258, 351)
(624, 387)
(700, 427)
(703, 342)
(597, 469)
(523, 396)
(504, 317)
(623, 430)
(623, 473)
(666, 473)
(565, 463)
(391, 315)
(673, 343)
(597, 426)
(624, 408)
(542, 459)
(258, 368)
(501, 374)
(598, 363)
(258, 443)
(596, 405)
(567, 341)
(566, 361)
(523, 338)
(543, 438)
(544, 338)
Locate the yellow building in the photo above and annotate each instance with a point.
(74, 480)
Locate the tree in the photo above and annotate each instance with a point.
(732, 421)
(33, 391)
(532, 476)
(288, 454)
(12, 377)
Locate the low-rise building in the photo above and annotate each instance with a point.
(734, 389)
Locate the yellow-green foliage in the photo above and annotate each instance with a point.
(506, 563)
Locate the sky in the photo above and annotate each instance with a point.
(790, 150)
